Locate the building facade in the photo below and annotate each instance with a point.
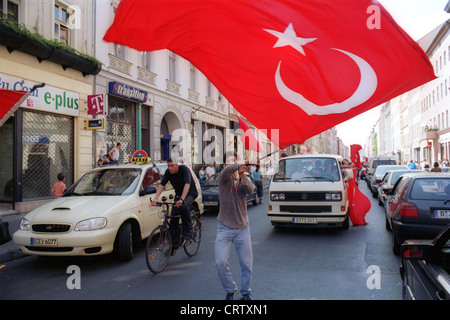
(46, 135)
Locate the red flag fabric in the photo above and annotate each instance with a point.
(248, 138)
(354, 155)
(359, 204)
(293, 68)
(9, 103)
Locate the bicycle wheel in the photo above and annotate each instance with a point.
(192, 245)
(158, 249)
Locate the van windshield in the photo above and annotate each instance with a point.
(307, 169)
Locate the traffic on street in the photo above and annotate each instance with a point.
(289, 264)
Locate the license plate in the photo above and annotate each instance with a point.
(211, 203)
(305, 220)
(43, 242)
(442, 214)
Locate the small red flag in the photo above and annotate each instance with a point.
(354, 155)
(299, 67)
(248, 138)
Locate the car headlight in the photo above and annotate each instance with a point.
(333, 196)
(24, 225)
(277, 196)
(91, 224)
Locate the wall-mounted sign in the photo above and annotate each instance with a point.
(95, 124)
(122, 90)
(96, 104)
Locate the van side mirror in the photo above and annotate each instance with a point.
(147, 190)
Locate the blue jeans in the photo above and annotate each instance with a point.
(226, 237)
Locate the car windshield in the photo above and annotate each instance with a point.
(307, 169)
(380, 171)
(380, 162)
(431, 189)
(212, 181)
(108, 181)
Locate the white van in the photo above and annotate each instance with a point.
(309, 191)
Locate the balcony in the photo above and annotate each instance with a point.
(429, 135)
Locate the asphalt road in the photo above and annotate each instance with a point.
(353, 264)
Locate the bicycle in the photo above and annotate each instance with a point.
(160, 244)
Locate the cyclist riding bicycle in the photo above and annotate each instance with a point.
(185, 191)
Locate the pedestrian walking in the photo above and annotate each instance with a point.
(436, 167)
(259, 185)
(114, 153)
(233, 228)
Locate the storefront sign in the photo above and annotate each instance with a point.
(205, 117)
(48, 98)
(96, 104)
(122, 90)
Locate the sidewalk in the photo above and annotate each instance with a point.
(9, 251)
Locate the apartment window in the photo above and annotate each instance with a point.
(61, 31)
(119, 51)
(146, 60)
(209, 89)
(192, 72)
(9, 9)
(172, 66)
(446, 117)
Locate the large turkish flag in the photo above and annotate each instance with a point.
(299, 67)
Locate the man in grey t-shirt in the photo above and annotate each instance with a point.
(233, 228)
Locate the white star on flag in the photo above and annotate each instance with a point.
(289, 38)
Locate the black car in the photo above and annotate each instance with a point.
(425, 268)
(418, 207)
(210, 192)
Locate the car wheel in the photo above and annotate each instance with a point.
(395, 243)
(388, 226)
(124, 243)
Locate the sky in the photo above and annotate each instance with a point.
(417, 18)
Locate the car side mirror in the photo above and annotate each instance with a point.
(147, 190)
(417, 249)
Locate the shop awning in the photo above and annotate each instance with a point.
(11, 100)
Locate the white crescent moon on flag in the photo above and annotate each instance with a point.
(366, 88)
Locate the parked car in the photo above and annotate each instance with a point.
(106, 210)
(376, 161)
(418, 207)
(425, 268)
(310, 191)
(388, 182)
(210, 192)
(378, 175)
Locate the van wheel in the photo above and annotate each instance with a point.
(346, 223)
(124, 243)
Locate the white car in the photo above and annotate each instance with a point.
(106, 210)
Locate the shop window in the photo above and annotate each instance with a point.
(47, 143)
(121, 126)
